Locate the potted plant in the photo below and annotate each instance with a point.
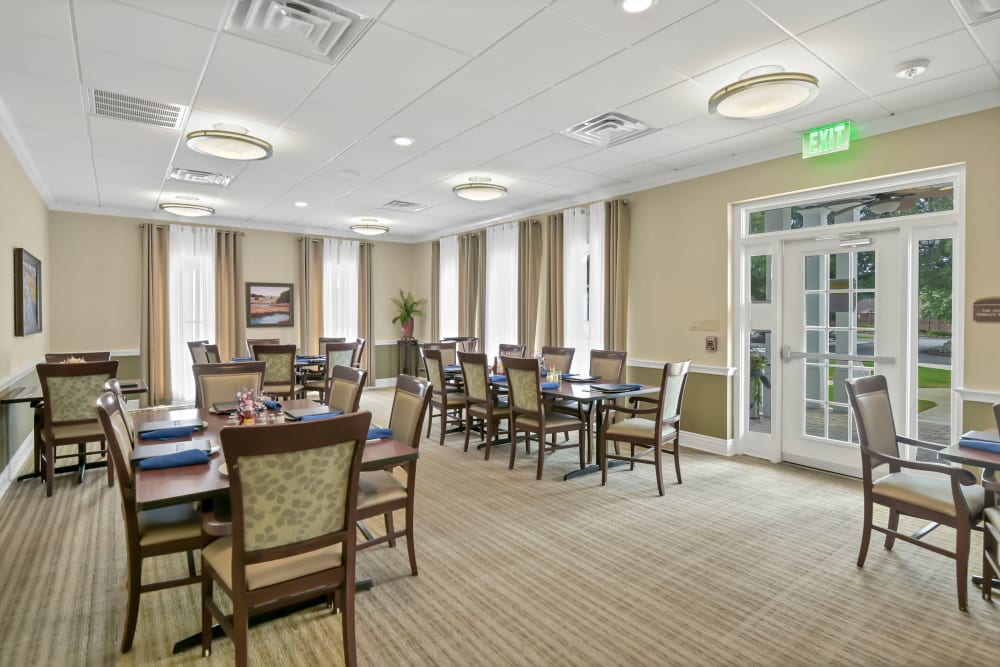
(406, 308)
(758, 380)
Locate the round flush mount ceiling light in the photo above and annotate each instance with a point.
(230, 142)
(764, 92)
(912, 69)
(187, 210)
(480, 188)
(368, 227)
(634, 6)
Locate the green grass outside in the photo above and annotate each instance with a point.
(933, 378)
(924, 404)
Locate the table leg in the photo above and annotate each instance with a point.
(599, 439)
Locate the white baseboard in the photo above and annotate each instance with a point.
(707, 443)
(385, 382)
(9, 474)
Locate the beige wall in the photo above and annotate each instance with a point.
(273, 257)
(392, 264)
(95, 282)
(681, 236)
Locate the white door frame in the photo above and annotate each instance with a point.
(912, 228)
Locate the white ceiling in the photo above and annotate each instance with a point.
(483, 86)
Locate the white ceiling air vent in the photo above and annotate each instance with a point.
(136, 109)
(313, 28)
(978, 11)
(399, 205)
(609, 129)
(200, 177)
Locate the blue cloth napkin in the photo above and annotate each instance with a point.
(498, 378)
(188, 457)
(550, 385)
(241, 359)
(980, 444)
(379, 433)
(325, 415)
(272, 405)
(452, 367)
(168, 433)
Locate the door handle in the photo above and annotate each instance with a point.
(787, 354)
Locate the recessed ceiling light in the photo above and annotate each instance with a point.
(403, 141)
(480, 188)
(187, 210)
(763, 92)
(230, 142)
(912, 69)
(369, 227)
(302, 204)
(634, 6)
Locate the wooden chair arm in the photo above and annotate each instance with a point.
(643, 399)
(991, 480)
(919, 443)
(631, 411)
(958, 475)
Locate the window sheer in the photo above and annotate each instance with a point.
(501, 287)
(583, 273)
(191, 301)
(340, 288)
(448, 287)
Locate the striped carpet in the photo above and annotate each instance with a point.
(745, 563)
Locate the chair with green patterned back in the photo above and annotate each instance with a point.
(69, 392)
(294, 492)
(219, 383)
(650, 435)
(531, 412)
(481, 400)
(158, 532)
(561, 358)
(450, 404)
(279, 374)
(337, 354)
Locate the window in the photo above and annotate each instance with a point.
(448, 287)
(340, 288)
(191, 301)
(501, 288)
(583, 280)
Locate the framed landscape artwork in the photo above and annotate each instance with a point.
(27, 293)
(270, 305)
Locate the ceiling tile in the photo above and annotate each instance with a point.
(988, 34)
(256, 80)
(39, 56)
(937, 90)
(430, 121)
(797, 16)
(469, 26)
(57, 108)
(123, 140)
(69, 183)
(548, 152)
(130, 76)
(624, 28)
(657, 145)
(608, 162)
(205, 13)
(49, 18)
(859, 112)
(123, 183)
(495, 137)
(676, 104)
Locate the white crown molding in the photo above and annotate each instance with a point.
(695, 368)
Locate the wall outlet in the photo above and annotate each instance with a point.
(711, 343)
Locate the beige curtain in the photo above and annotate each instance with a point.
(616, 246)
(549, 318)
(529, 261)
(310, 294)
(471, 284)
(154, 344)
(365, 322)
(435, 286)
(230, 304)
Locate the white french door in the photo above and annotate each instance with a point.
(843, 313)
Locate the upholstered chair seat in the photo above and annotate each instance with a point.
(219, 554)
(169, 524)
(931, 493)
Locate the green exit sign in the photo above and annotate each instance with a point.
(831, 138)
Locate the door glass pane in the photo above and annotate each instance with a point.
(760, 279)
(814, 310)
(814, 264)
(815, 419)
(760, 382)
(934, 383)
(865, 270)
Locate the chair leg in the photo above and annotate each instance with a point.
(411, 549)
(962, 539)
(107, 459)
(657, 462)
(631, 447)
(390, 528)
(541, 454)
(430, 418)
(468, 430)
(133, 587)
(190, 560)
(206, 613)
(604, 460)
(347, 621)
(893, 524)
(50, 472)
(444, 423)
(866, 536)
(583, 460)
(241, 630)
(677, 459)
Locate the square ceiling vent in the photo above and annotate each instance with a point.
(609, 129)
(979, 11)
(313, 28)
(400, 205)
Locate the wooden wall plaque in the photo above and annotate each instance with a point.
(987, 309)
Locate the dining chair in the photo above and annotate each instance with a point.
(148, 533)
(359, 353)
(532, 413)
(649, 435)
(63, 357)
(559, 357)
(344, 387)
(448, 351)
(294, 505)
(450, 404)
(279, 376)
(481, 401)
(219, 383)
(197, 349)
(260, 341)
(115, 387)
(510, 350)
(384, 493)
(212, 354)
(991, 530)
(337, 354)
(69, 418)
(609, 366)
(950, 497)
(323, 340)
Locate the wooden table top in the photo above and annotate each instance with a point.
(582, 393)
(33, 393)
(971, 456)
(170, 486)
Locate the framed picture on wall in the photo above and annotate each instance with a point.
(270, 305)
(27, 293)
